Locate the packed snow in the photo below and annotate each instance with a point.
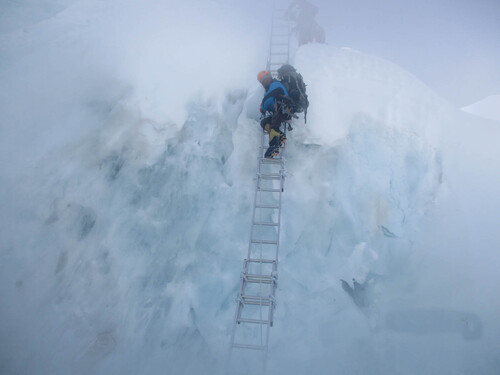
(128, 156)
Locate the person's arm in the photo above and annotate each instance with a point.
(267, 105)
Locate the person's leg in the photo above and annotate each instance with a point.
(274, 136)
(276, 125)
(265, 123)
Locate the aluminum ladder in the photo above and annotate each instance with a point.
(279, 43)
(255, 303)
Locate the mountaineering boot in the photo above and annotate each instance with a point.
(272, 151)
(282, 139)
(274, 148)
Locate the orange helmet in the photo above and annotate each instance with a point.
(262, 74)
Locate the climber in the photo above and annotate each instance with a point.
(301, 11)
(276, 108)
(310, 33)
(302, 15)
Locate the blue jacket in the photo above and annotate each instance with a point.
(276, 89)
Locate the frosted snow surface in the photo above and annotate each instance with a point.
(126, 208)
(488, 108)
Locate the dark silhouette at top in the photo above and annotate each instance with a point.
(302, 14)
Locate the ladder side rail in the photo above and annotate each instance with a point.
(257, 183)
(282, 187)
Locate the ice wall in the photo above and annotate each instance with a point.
(124, 223)
(382, 178)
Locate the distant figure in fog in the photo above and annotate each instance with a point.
(302, 14)
(301, 10)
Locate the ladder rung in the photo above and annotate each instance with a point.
(257, 300)
(259, 279)
(271, 161)
(279, 35)
(279, 53)
(272, 176)
(254, 321)
(255, 276)
(248, 346)
(258, 260)
(266, 224)
(267, 242)
(260, 298)
(279, 44)
(267, 206)
(269, 190)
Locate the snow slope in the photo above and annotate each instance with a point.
(127, 181)
(488, 108)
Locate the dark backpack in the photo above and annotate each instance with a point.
(295, 86)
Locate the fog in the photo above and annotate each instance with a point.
(128, 146)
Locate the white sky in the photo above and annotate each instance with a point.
(451, 45)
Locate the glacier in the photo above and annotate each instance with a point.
(128, 157)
